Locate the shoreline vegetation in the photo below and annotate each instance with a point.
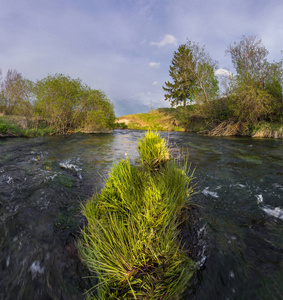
(172, 119)
(56, 104)
(162, 119)
(132, 241)
(248, 102)
(214, 101)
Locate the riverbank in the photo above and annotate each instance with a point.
(171, 119)
(162, 119)
(16, 126)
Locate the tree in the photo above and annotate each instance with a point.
(95, 112)
(17, 95)
(10, 90)
(56, 96)
(257, 88)
(67, 104)
(192, 71)
(249, 58)
(204, 73)
(184, 85)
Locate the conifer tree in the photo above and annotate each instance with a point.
(192, 71)
(184, 86)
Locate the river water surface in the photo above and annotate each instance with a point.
(239, 220)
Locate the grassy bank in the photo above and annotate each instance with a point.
(162, 119)
(132, 241)
(14, 126)
(171, 119)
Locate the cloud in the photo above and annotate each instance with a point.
(169, 39)
(223, 72)
(155, 83)
(154, 65)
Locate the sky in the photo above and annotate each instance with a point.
(125, 47)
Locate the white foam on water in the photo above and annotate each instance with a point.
(10, 180)
(67, 165)
(8, 261)
(259, 199)
(276, 212)
(34, 159)
(277, 185)
(203, 257)
(36, 269)
(239, 185)
(207, 192)
(51, 177)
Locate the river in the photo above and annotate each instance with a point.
(239, 219)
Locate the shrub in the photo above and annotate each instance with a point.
(3, 128)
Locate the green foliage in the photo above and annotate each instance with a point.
(67, 105)
(121, 125)
(132, 241)
(3, 128)
(252, 95)
(162, 119)
(153, 151)
(16, 94)
(55, 98)
(96, 112)
(257, 88)
(192, 72)
(252, 104)
(10, 127)
(183, 87)
(249, 58)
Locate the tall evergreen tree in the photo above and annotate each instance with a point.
(192, 71)
(184, 85)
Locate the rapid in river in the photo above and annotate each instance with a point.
(239, 215)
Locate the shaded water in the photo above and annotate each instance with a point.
(240, 219)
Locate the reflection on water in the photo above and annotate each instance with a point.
(240, 193)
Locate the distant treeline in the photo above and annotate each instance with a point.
(251, 95)
(57, 101)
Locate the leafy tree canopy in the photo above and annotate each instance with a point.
(257, 86)
(67, 104)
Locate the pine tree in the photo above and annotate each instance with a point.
(184, 84)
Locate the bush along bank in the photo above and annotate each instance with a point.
(132, 239)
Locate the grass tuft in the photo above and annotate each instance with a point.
(132, 241)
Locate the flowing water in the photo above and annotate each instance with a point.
(239, 215)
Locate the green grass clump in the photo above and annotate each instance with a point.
(9, 126)
(3, 128)
(153, 151)
(132, 240)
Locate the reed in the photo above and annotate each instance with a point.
(132, 241)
